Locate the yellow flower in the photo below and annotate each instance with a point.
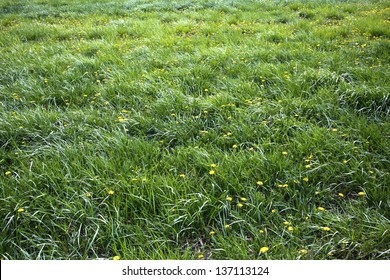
(305, 179)
(200, 256)
(307, 166)
(240, 205)
(273, 211)
(334, 129)
(283, 185)
(212, 172)
(345, 161)
(317, 192)
(264, 250)
(284, 153)
(290, 228)
(341, 195)
(235, 146)
(361, 193)
(212, 233)
(7, 173)
(111, 192)
(227, 226)
(213, 165)
(286, 223)
(20, 210)
(260, 183)
(182, 175)
(88, 194)
(303, 251)
(116, 258)
(326, 228)
(229, 198)
(261, 231)
(321, 208)
(243, 199)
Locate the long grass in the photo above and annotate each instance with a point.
(194, 129)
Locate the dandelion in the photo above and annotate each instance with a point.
(306, 179)
(264, 250)
(273, 211)
(326, 228)
(284, 153)
(213, 165)
(200, 256)
(303, 251)
(317, 192)
(286, 223)
(243, 199)
(240, 205)
(111, 192)
(307, 166)
(290, 228)
(88, 194)
(212, 233)
(227, 226)
(334, 129)
(7, 173)
(234, 146)
(212, 172)
(182, 175)
(321, 208)
(261, 231)
(229, 198)
(116, 258)
(260, 183)
(361, 193)
(341, 195)
(20, 210)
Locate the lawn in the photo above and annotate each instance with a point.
(205, 129)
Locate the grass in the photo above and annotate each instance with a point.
(194, 129)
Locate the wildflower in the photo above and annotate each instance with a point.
(334, 129)
(234, 146)
(326, 228)
(290, 228)
(212, 172)
(306, 179)
(317, 192)
(303, 251)
(264, 250)
(88, 194)
(200, 256)
(286, 223)
(283, 185)
(227, 226)
(260, 183)
(182, 175)
(341, 195)
(273, 211)
(284, 153)
(212, 233)
(243, 199)
(20, 210)
(213, 165)
(321, 208)
(116, 258)
(361, 193)
(7, 173)
(111, 192)
(345, 161)
(229, 198)
(307, 166)
(204, 131)
(261, 231)
(240, 205)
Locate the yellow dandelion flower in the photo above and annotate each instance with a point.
(317, 192)
(20, 210)
(212, 233)
(286, 223)
(345, 161)
(260, 183)
(88, 194)
(229, 198)
(307, 166)
(213, 165)
(361, 193)
(234, 146)
(243, 199)
(111, 192)
(227, 226)
(321, 208)
(284, 153)
(200, 256)
(334, 129)
(204, 131)
(264, 250)
(182, 175)
(303, 251)
(7, 173)
(261, 231)
(240, 205)
(116, 258)
(306, 179)
(290, 228)
(341, 195)
(326, 228)
(212, 172)
(273, 211)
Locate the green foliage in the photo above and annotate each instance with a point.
(172, 129)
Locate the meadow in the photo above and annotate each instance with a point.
(205, 129)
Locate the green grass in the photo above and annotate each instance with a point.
(113, 114)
